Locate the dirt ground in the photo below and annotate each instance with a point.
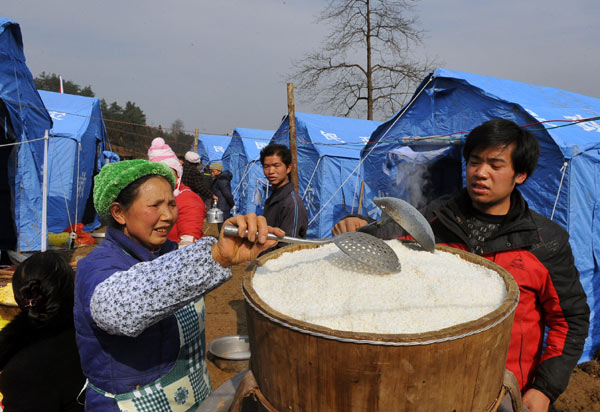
(226, 316)
(583, 392)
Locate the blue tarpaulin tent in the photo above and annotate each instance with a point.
(328, 158)
(242, 158)
(23, 119)
(564, 187)
(77, 141)
(211, 147)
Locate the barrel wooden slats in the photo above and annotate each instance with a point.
(297, 371)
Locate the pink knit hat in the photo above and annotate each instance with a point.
(162, 152)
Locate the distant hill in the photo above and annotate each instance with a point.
(134, 143)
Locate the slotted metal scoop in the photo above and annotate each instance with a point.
(359, 246)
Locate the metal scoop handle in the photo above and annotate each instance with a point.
(231, 230)
(359, 246)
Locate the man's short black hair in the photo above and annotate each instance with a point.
(277, 149)
(504, 133)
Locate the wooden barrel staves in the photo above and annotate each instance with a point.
(305, 367)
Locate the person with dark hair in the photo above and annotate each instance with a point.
(195, 179)
(221, 188)
(283, 208)
(502, 133)
(490, 218)
(39, 360)
(139, 301)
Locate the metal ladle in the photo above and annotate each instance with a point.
(359, 246)
(410, 219)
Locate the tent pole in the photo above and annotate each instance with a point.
(360, 196)
(196, 134)
(44, 235)
(292, 134)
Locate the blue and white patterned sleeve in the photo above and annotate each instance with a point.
(130, 301)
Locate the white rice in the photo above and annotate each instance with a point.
(325, 287)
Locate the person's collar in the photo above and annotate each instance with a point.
(136, 250)
(281, 192)
(462, 205)
(283, 188)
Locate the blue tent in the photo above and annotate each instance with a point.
(565, 186)
(77, 141)
(24, 119)
(211, 147)
(242, 158)
(329, 174)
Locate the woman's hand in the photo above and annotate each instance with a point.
(231, 250)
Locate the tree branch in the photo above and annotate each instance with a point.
(336, 76)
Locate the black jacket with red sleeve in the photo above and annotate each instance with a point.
(537, 253)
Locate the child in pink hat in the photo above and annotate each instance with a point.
(192, 210)
(159, 151)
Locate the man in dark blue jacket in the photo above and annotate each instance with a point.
(221, 188)
(284, 208)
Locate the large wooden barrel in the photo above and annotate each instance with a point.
(304, 367)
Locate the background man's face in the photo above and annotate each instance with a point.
(491, 179)
(276, 171)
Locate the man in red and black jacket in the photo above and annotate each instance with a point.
(490, 218)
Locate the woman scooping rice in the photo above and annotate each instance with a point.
(139, 308)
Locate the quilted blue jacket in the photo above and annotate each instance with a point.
(118, 363)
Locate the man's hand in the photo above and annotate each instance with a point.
(231, 250)
(536, 401)
(349, 224)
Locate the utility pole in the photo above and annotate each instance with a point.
(195, 146)
(292, 134)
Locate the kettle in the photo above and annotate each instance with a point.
(214, 215)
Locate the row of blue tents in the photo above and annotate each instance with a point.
(76, 149)
(415, 155)
(329, 175)
(328, 149)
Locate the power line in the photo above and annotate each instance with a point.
(346, 145)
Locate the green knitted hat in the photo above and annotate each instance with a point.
(114, 177)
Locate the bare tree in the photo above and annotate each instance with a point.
(366, 61)
(177, 127)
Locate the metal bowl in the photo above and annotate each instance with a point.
(98, 237)
(234, 347)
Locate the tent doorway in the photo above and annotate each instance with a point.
(8, 232)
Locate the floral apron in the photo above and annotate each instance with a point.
(187, 384)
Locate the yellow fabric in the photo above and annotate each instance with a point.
(7, 296)
(7, 301)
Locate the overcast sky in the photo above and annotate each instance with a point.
(222, 64)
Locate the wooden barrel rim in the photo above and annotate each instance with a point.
(454, 332)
